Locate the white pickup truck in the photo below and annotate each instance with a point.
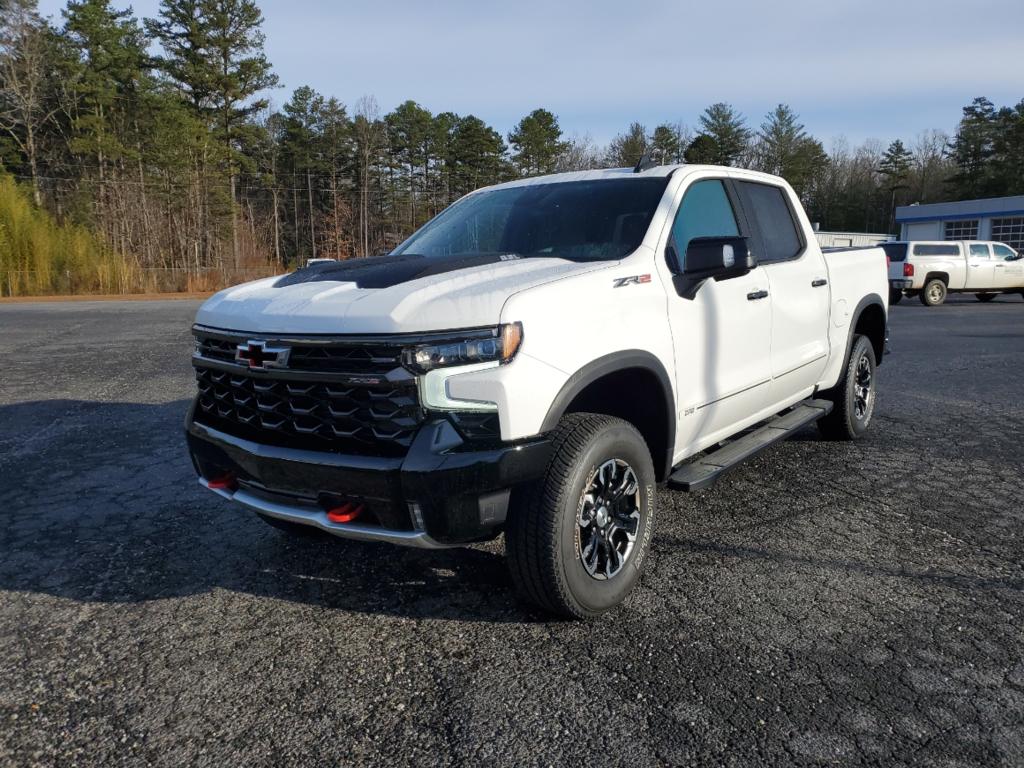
(933, 270)
(534, 361)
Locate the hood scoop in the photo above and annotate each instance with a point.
(387, 271)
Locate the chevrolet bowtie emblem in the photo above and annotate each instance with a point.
(258, 356)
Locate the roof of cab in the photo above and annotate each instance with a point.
(660, 171)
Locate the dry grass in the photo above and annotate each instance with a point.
(40, 256)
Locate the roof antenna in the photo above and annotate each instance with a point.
(646, 161)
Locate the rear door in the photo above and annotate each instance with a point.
(798, 287)
(980, 266)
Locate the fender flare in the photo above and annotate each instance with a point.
(864, 303)
(612, 363)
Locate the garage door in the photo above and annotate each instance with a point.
(924, 230)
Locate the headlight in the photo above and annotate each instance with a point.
(496, 345)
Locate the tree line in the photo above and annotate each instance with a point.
(158, 138)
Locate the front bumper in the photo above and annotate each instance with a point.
(442, 493)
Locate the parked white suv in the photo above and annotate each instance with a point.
(932, 270)
(534, 361)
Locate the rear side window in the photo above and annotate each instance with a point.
(934, 249)
(766, 205)
(979, 249)
(895, 251)
(704, 212)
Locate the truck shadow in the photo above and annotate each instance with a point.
(99, 503)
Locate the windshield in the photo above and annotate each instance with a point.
(578, 220)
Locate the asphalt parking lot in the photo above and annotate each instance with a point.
(825, 604)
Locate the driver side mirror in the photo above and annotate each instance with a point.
(712, 258)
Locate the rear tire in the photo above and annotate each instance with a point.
(577, 539)
(853, 397)
(934, 293)
(984, 296)
(895, 297)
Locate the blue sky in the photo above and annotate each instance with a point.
(862, 69)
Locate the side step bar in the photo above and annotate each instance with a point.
(703, 472)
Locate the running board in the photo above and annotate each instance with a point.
(701, 473)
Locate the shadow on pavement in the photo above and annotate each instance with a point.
(99, 503)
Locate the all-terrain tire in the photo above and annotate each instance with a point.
(852, 409)
(934, 293)
(543, 533)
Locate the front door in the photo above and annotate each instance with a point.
(722, 335)
(1009, 267)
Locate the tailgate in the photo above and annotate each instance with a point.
(897, 253)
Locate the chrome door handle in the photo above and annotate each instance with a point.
(819, 282)
(755, 295)
(1000, 266)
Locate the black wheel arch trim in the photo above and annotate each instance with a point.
(613, 363)
(864, 303)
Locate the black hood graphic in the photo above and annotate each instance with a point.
(386, 271)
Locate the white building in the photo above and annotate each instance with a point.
(995, 218)
(848, 239)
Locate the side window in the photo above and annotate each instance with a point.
(767, 206)
(932, 249)
(979, 249)
(1003, 253)
(704, 212)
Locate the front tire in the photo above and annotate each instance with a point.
(853, 397)
(934, 293)
(577, 538)
(985, 297)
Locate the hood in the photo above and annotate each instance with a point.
(385, 294)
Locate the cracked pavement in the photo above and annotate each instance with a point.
(826, 603)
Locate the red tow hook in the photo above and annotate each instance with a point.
(226, 482)
(346, 513)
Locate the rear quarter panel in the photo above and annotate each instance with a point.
(856, 277)
(953, 266)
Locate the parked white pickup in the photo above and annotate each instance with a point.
(931, 270)
(533, 361)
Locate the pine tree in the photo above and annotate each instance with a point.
(410, 136)
(537, 141)
(703, 150)
(785, 149)
(214, 52)
(299, 149)
(895, 169)
(972, 150)
(727, 128)
(627, 149)
(477, 155)
(1007, 161)
(107, 72)
(667, 145)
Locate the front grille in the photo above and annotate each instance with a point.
(334, 395)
